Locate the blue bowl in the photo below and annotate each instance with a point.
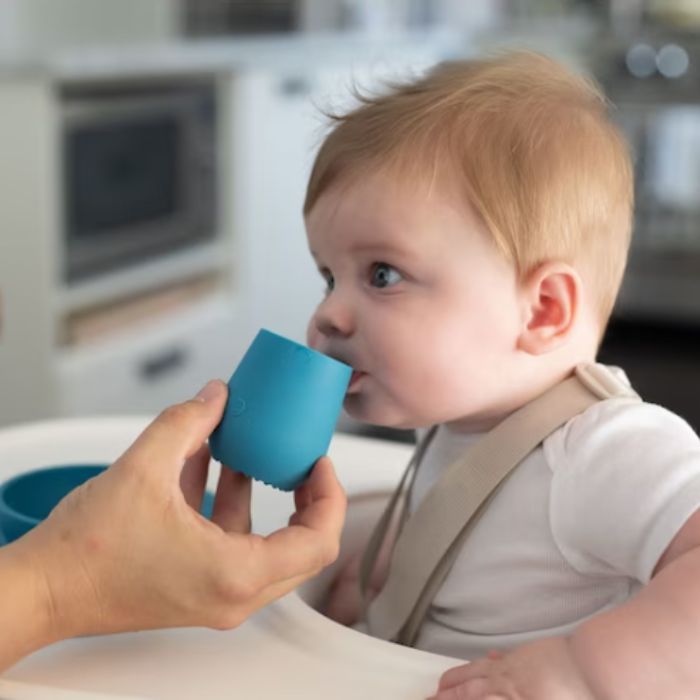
(207, 505)
(284, 401)
(28, 498)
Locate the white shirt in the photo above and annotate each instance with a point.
(575, 530)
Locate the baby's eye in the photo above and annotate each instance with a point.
(383, 275)
(330, 282)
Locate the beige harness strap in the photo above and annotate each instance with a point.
(432, 537)
(399, 499)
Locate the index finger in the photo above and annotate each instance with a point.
(179, 431)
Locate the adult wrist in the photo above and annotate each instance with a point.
(25, 608)
(65, 594)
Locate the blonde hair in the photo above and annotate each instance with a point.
(530, 145)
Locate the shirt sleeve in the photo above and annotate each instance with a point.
(626, 477)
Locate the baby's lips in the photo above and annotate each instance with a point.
(354, 379)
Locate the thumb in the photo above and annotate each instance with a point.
(180, 430)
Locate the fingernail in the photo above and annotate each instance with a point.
(209, 391)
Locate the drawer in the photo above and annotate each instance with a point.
(152, 367)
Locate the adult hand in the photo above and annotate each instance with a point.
(129, 550)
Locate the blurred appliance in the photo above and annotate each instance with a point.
(655, 331)
(652, 83)
(202, 18)
(139, 171)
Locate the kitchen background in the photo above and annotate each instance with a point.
(153, 157)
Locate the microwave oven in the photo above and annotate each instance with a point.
(139, 172)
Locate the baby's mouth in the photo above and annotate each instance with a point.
(355, 378)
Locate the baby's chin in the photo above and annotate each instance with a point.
(363, 410)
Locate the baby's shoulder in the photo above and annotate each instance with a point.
(619, 429)
(625, 477)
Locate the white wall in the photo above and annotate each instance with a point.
(281, 125)
(38, 26)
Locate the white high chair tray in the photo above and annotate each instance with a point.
(286, 650)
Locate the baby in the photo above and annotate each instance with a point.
(472, 229)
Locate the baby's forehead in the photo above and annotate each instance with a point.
(389, 190)
(389, 213)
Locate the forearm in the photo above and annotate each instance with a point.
(25, 618)
(649, 647)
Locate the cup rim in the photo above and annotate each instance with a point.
(318, 353)
(32, 473)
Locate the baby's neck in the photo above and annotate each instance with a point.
(534, 376)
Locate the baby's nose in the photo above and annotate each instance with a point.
(333, 317)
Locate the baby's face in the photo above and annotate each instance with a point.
(417, 300)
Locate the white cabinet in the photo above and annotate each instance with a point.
(27, 248)
(158, 363)
(131, 340)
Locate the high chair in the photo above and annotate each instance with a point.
(287, 650)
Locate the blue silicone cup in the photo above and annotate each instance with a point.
(284, 401)
(28, 498)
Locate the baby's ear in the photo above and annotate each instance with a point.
(551, 298)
